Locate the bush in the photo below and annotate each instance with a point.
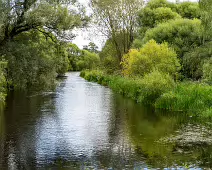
(151, 56)
(154, 85)
(192, 97)
(181, 34)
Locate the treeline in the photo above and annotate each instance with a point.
(157, 53)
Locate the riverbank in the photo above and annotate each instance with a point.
(161, 92)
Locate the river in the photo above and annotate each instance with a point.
(82, 125)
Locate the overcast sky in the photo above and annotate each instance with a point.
(84, 36)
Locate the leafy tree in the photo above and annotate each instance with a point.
(181, 34)
(149, 18)
(34, 61)
(74, 54)
(45, 16)
(188, 10)
(91, 47)
(88, 60)
(151, 56)
(115, 18)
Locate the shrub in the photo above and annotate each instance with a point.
(151, 56)
(154, 85)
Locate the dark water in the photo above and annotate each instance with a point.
(83, 125)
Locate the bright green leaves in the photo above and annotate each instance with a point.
(150, 57)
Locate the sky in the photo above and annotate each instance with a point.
(84, 36)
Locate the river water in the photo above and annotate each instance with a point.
(82, 125)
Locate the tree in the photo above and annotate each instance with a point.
(188, 10)
(182, 34)
(91, 47)
(115, 18)
(34, 61)
(149, 18)
(47, 16)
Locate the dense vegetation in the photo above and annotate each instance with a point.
(35, 43)
(168, 63)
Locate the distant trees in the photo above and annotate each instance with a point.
(82, 59)
(92, 47)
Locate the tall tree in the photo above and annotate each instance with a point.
(116, 19)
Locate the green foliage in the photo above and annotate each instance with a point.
(154, 85)
(193, 61)
(82, 59)
(91, 47)
(34, 61)
(206, 17)
(192, 97)
(45, 16)
(207, 71)
(188, 10)
(108, 50)
(181, 34)
(110, 64)
(149, 18)
(145, 90)
(152, 4)
(151, 56)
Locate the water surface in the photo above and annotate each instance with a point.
(83, 125)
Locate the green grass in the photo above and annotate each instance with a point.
(195, 98)
(159, 90)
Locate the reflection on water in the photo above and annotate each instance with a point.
(83, 125)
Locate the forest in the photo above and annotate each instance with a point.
(157, 53)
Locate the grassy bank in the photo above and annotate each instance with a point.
(158, 90)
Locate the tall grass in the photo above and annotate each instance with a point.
(192, 97)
